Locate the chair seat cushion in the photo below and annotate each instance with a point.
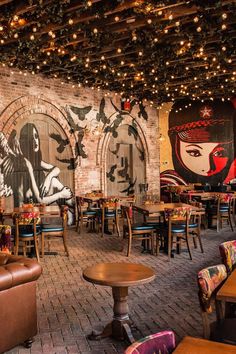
(110, 214)
(178, 229)
(28, 233)
(89, 212)
(191, 226)
(142, 227)
(51, 228)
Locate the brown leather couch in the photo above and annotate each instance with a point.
(18, 313)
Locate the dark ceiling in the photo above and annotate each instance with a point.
(159, 50)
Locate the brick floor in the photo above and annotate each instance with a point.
(69, 307)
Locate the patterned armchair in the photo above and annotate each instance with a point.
(209, 281)
(160, 343)
(228, 254)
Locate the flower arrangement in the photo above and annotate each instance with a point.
(5, 238)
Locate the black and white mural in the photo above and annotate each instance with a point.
(31, 170)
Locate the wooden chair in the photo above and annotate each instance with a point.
(85, 213)
(142, 232)
(228, 255)
(109, 213)
(209, 282)
(195, 224)
(177, 230)
(27, 232)
(59, 230)
(222, 210)
(159, 343)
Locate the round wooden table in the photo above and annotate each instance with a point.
(119, 276)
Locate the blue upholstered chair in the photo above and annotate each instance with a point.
(223, 209)
(177, 229)
(86, 215)
(27, 232)
(54, 231)
(132, 231)
(109, 214)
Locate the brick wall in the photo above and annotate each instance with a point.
(23, 94)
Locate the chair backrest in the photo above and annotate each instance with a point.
(109, 203)
(177, 214)
(82, 204)
(228, 254)
(158, 343)
(27, 217)
(210, 279)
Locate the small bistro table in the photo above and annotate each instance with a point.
(191, 345)
(227, 293)
(119, 276)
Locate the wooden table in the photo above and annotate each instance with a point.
(119, 276)
(149, 209)
(227, 293)
(191, 345)
(45, 211)
(204, 195)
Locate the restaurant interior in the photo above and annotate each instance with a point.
(118, 176)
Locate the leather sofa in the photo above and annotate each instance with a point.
(18, 312)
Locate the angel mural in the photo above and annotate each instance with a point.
(37, 180)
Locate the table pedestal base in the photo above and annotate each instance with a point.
(119, 328)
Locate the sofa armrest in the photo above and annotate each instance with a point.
(16, 270)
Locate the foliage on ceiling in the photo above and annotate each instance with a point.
(158, 50)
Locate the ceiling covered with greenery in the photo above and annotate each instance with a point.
(158, 50)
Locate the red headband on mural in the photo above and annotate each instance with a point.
(197, 124)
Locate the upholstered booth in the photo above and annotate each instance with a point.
(18, 315)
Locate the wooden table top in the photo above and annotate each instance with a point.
(118, 274)
(228, 291)
(160, 208)
(191, 345)
(47, 210)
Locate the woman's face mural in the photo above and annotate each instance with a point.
(205, 159)
(201, 136)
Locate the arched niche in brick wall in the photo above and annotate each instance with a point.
(43, 136)
(104, 141)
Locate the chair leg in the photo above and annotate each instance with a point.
(230, 223)
(170, 239)
(42, 244)
(129, 245)
(117, 226)
(64, 236)
(189, 251)
(152, 242)
(36, 248)
(200, 242)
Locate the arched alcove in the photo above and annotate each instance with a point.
(130, 134)
(38, 132)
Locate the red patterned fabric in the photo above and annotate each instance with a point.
(158, 343)
(228, 254)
